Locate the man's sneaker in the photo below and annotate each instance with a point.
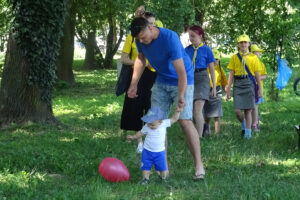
(145, 181)
(139, 149)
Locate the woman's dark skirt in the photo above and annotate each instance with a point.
(201, 85)
(134, 109)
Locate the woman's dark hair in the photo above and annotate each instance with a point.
(198, 30)
(138, 25)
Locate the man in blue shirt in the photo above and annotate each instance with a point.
(174, 81)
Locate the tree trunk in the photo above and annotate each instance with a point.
(64, 70)
(111, 45)
(20, 102)
(90, 45)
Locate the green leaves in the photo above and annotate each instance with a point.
(38, 27)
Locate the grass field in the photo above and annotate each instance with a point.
(40, 161)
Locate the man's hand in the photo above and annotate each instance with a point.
(181, 103)
(132, 90)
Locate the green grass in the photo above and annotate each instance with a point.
(40, 161)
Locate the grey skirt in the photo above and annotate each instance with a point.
(243, 94)
(201, 85)
(213, 107)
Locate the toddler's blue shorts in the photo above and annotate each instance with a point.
(158, 159)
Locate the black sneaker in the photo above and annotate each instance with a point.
(243, 133)
(145, 181)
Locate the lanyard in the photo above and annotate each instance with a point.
(243, 61)
(195, 53)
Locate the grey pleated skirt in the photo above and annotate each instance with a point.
(243, 94)
(213, 107)
(201, 85)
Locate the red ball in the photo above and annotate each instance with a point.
(114, 170)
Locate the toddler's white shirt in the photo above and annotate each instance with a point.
(155, 138)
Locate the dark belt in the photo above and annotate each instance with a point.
(241, 77)
(200, 69)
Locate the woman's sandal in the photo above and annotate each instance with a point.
(198, 177)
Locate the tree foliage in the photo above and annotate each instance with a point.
(5, 22)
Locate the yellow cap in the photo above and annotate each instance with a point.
(243, 38)
(254, 47)
(158, 23)
(216, 54)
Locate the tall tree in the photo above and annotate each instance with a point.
(64, 66)
(29, 70)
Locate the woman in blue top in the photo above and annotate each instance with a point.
(202, 57)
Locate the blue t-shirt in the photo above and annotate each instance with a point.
(161, 52)
(203, 58)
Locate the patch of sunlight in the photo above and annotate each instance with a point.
(86, 75)
(63, 111)
(112, 108)
(91, 116)
(102, 135)
(21, 179)
(265, 112)
(22, 131)
(65, 139)
(286, 163)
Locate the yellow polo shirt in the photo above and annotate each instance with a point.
(128, 45)
(252, 62)
(221, 79)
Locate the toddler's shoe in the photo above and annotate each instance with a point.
(247, 136)
(139, 149)
(145, 181)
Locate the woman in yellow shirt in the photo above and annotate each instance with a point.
(213, 107)
(244, 73)
(135, 108)
(263, 75)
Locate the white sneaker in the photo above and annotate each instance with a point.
(139, 149)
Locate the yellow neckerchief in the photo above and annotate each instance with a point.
(244, 61)
(195, 53)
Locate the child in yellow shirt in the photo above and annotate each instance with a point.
(244, 74)
(213, 107)
(263, 75)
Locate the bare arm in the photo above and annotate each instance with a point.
(135, 136)
(182, 81)
(126, 60)
(263, 77)
(175, 116)
(213, 78)
(257, 78)
(138, 69)
(228, 90)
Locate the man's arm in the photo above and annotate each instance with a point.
(182, 81)
(138, 69)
